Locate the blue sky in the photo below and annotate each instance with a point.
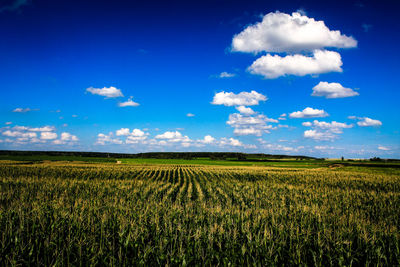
(315, 78)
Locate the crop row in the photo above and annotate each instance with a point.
(94, 214)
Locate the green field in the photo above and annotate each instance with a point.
(198, 212)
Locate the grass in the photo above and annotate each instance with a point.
(153, 213)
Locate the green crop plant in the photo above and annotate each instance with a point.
(60, 213)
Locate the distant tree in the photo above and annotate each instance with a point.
(241, 156)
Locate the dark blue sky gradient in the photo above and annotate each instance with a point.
(167, 54)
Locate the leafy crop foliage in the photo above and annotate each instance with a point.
(107, 214)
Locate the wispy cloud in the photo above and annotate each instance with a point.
(108, 92)
(24, 110)
(15, 5)
(128, 103)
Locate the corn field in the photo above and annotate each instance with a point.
(105, 214)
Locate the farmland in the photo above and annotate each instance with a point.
(148, 212)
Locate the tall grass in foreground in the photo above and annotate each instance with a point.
(103, 214)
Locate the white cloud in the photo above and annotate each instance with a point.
(278, 147)
(280, 32)
(324, 147)
(282, 117)
(332, 90)
(103, 139)
(128, 103)
(324, 131)
(173, 137)
(136, 136)
(19, 134)
(248, 131)
(68, 137)
(309, 113)
(334, 126)
(245, 110)
(108, 92)
(27, 134)
(242, 99)
(133, 137)
(226, 75)
(231, 141)
(122, 131)
(190, 115)
(8, 122)
(48, 135)
(320, 136)
(383, 148)
(365, 122)
(23, 110)
(237, 119)
(275, 66)
(208, 139)
(41, 129)
(250, 125)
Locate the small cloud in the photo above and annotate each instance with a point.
(208, 139)
(103, 139)
(8, 122)
(108, 92)
(309, 113)
(332, 90)
(320, 136)
(48, 135)
(190, 115)
(242, 99)
(24, 110)
(226, 75)
(65, 125)
(245, 110)
(68, 137)
(128, 103)
(384, 148)
(173, 137)
(122, 132)
(74, 116)
(366, 122)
